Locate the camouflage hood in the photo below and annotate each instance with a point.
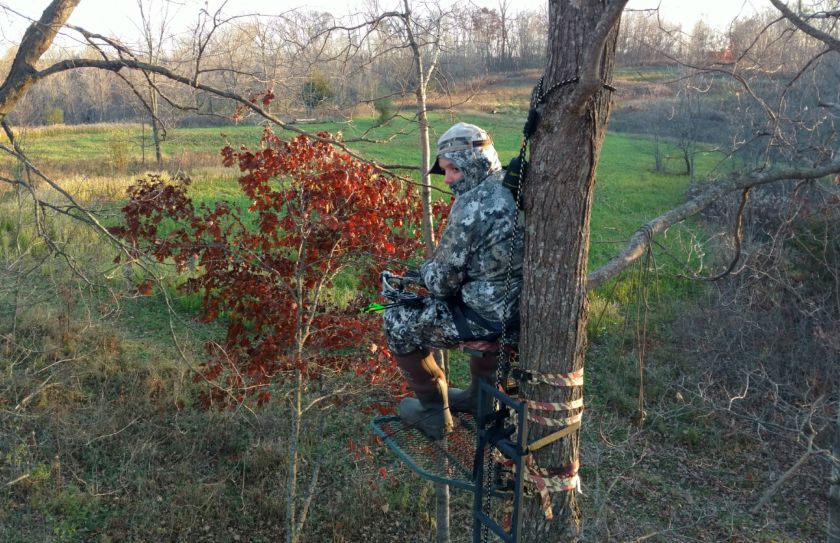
(470, 148)
(476, 164)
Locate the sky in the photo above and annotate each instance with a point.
(115, 17)
(717, 13)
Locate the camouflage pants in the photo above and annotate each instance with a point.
(430, 326)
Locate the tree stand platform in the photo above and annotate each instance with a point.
(462, 458)
(447, 461)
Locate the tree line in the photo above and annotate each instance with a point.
(314, 63)
(757, 39)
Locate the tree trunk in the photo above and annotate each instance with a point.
(558, 201)
(292, 479)
(441, 491)
(657, 155)
(423, 120)
(425, 161)
(688, 157)
(35, 42)
(154, 44)
(143, 144)
(153, 105)
(442, 530)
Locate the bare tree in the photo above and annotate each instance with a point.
(687, 117)
(645, 39)
(425, 55)
(416, 35)
(505, 60)
(153, 43)
(528, 38)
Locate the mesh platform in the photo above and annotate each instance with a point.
(447, 461)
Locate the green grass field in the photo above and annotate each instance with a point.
(628, 192)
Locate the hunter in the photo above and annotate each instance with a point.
(474, 280)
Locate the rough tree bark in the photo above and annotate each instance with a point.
(558, 200)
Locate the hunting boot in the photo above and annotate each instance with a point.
(482, 368)
(429, 411)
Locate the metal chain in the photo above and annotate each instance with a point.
(537, 97)
(563, 83)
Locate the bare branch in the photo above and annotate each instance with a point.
(739, 230)
(799, 23)
(834, 14)
(36, 40)
(770, 492)
(640, 241)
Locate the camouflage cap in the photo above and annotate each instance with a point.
(460, 137)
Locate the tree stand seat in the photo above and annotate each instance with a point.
(484, 348)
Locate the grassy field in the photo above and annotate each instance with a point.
(628, 194)
(99, 439)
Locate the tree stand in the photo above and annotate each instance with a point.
(481, 455)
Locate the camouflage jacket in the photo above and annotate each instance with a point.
(472, 259)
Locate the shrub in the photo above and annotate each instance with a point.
(769, 330)
(316, 91)
(384, 110)
(54, 116)
(118, 151)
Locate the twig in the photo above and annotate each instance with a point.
(24, 402)
(112, 434)
(19, 479)
(768, 494)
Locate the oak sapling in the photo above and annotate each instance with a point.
(269, 271)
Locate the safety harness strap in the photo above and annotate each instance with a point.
(572, 379)
(554, 406)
